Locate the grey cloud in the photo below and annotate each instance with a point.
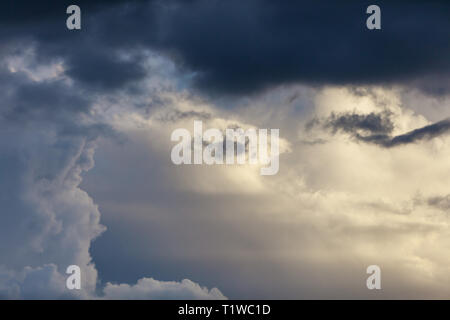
(148, 288)
(372, 123)
(376, 128)
(51, 100)
(427, 132)
(33, 283)
(47, 100)
(104, 70)
(440, 202)
(240, 48)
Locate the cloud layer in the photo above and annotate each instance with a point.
(237, 48)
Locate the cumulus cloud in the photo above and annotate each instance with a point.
(49, 132)
(43, 282)
(148, 288)
(47, 220)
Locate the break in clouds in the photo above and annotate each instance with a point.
(86, 179)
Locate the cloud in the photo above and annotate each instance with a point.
(441, 202)
(49, 129)
(100, 70)
(43, 282)
(262, 44)
(46, 145)
(428, 132)
(332, 209)
(377, 128)
(241, 48)
(373, 123)
(148, 288)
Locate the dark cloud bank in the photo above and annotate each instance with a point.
(238, 47)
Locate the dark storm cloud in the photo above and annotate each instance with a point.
(376, 128)
(243, 47)
(89, 58)
(104, 71)
(424, 133)
(25, 11)
(374, 123)
(240, 47)
(45, 98)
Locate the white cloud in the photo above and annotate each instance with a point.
(148, 288)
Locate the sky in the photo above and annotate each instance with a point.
(86, 178)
